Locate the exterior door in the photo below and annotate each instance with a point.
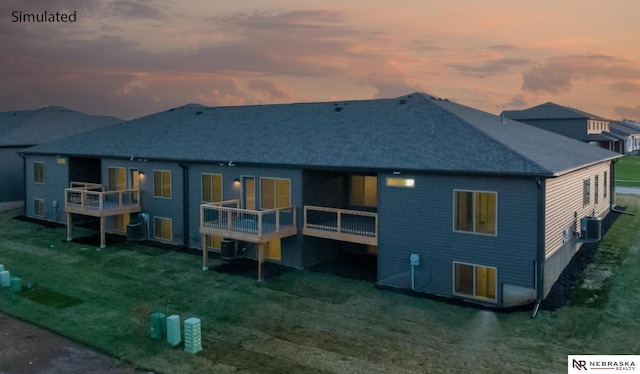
(249, 193)
(118, 182)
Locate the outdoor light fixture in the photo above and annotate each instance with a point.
(236, 182)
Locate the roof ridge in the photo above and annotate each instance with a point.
(492, 138)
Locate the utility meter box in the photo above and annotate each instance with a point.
(414, 259)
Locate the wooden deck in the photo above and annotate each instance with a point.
(91, 199)
(227, 220)
(341, 224)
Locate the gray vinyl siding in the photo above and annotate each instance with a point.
(11, 175)
(573, 128)
(56, 180)
(563, 210)
(420, 220)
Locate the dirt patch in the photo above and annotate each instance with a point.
(29, 349)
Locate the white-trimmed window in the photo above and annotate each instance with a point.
(162, 228)
(211, 188)
(400, 182)
(475, 212)
(475, 281)
(275, 193)
(38, 172)
(162, 183)
(39, 207)
(586, 192)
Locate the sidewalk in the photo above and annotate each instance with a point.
(628, 190)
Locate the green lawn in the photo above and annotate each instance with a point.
(628, 171)
(301, 321)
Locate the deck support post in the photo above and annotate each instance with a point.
(205, 253)
(260, 261)
(69, 227)
(102, 234)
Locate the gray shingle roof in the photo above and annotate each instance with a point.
(29, 127)
(549, 111)
(416, 132)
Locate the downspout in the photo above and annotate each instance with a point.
(24, 182)
(185, 202)
(539, 264)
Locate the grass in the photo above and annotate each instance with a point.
(301, 321)
(628, 171)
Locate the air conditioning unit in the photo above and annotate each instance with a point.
(228, 249)
(591, 228)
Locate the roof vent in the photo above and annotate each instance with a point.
(172, 109)
(338, 108)
(403, 101)
(198, 113)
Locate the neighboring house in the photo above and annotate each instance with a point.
(22, 129)
(630, 132)
(454, 201)
(570, 122)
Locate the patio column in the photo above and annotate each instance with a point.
(69, 229)
(205, 253)
(260, 261)
(102, 234)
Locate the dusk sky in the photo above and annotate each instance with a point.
(132, 58)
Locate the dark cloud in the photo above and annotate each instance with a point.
(138, 9)
(625, 86)
(504, 47)
(490, 68)
(627, 112)
(516, 102)
(556, 75)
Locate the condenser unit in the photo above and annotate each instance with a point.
(591, 228)
(228, 249)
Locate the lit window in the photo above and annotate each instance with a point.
(475, 281)
(364, 190)
(211, 188)
(401, 182)
(38, 172)
(162, 183)
(475, 212)
(275, 193)
(162, 228)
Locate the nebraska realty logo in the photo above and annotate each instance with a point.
(582, 363)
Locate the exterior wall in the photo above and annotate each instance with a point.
(51, 191)
(11, 175)
(573, 128)
(420, 220)
(563, 210)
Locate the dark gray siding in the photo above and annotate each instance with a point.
(573, 128)
(51, 191)
(420, 220)
(11, 175)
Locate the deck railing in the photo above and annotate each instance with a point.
(341, 221)
(228, 217)
(93, 197)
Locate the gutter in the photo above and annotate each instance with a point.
(185, 203)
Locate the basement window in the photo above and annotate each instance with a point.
(162, 228)
(475, 281)
(401, 182)
(38, 207)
